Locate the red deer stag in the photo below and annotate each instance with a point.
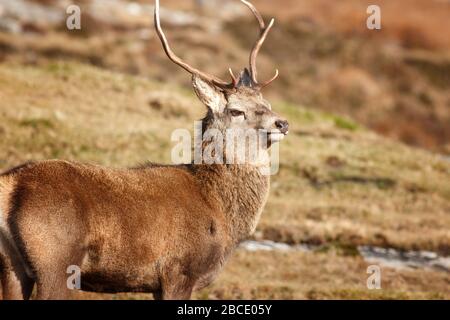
(161, 229)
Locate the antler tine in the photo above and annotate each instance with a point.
(177, 60)
(233, 77)
(255, 11)
(255, 51)
(265, 84)
(264, 31)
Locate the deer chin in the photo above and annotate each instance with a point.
(275, 137)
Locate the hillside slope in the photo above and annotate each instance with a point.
(339, 185)
(394, 81)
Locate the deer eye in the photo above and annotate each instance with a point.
(237, 113)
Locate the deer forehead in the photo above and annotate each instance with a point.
(248, 101)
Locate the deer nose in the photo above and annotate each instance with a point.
(282, 125)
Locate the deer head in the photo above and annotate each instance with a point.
(239, 103)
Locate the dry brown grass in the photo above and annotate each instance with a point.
(339, 184)
(296, 275)
(318, 276)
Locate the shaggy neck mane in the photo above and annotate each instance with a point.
(241, 192)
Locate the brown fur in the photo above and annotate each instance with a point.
(133, 229)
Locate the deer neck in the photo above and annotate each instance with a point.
(241, 190)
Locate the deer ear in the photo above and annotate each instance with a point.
(209, 94)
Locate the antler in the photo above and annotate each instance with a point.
(177, 60)
(264, 31)
(236, 81)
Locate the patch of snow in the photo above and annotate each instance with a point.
(387, 257)
(409, 259)
(267, 245)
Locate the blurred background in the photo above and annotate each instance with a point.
(365, 175)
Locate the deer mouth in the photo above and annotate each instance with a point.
(276, 136)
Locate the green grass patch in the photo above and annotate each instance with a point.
(37, 123)
(346, 124)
